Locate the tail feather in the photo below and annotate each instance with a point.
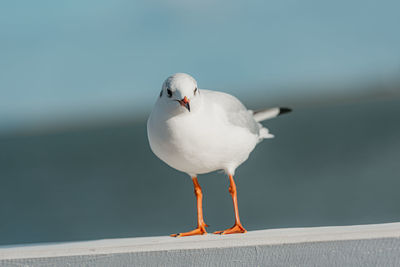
(269, 113)
(264, 133)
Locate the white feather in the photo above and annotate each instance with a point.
(266, 114)
(219, 132)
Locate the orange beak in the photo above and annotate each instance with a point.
(185, 103)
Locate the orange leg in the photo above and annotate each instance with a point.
(201, 226)
(237, 227)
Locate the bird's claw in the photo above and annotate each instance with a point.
(200, 230)
(236, 229)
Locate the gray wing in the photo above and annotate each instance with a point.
(236, 112)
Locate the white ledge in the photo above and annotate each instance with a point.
(159, 250)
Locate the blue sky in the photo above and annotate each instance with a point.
(66, 58)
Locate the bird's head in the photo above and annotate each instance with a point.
(180, 92)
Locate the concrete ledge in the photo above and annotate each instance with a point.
(361, 245)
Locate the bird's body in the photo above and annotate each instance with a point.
(200, 131)
(220, 134)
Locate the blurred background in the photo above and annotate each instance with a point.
(79, 78)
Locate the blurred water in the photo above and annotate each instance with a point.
(333, 165)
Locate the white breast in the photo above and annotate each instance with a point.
(202, 141)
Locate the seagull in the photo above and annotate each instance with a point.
(197, 131)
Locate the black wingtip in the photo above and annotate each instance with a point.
(284, 110)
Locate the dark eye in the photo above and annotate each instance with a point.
(195, 90)
(169, 92)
